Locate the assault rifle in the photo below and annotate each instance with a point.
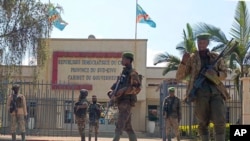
(203, 75)
(13, 106)
(113, 93)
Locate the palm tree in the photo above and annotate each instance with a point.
(188, 45)
(239, 60)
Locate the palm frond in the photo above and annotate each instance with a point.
(233, 60)
(218, 48)
(246, 60)
(170, 67)
(181, 47)
(160, 58)
(241, 25)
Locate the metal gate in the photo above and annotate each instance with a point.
(50, 111)
(233, 109)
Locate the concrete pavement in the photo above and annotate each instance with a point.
(45, 138)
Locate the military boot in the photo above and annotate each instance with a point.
(89, 137)
(205, 138)
(169, 138)
(220, 137)
(95, 137)
(13, 136)
(116, 137)
(23, 136)
(132, 137)
(178, 138)
(83, 137)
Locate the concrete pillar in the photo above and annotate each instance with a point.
(246, 100)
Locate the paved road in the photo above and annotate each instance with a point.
(44, 138)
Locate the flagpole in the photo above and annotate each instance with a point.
(135, 33)
(136, 20)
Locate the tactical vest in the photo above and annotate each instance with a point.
(94, 112)
(125, 82)
(19, 102)
(81, 112)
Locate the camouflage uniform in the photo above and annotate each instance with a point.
(94, 111)
(19, 115)
(80, 111)
(126, 98)
(172, 112)
(209, 101)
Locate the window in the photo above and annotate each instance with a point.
(31, 109)
(68, 112)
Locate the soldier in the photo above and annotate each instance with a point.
(209, 100)
(16, 105)
(80, 111)
(172, 113)
(125, 97)
(95, 109)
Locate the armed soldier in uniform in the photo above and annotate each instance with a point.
(172, 113)
(94, 111)
(80, 111)
(16, 105)
(124, 94)
(209, 99)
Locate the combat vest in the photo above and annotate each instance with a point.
(130, 85)
(19, 101)
(94, 112)
(81, 112)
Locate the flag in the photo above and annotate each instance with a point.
(55, 19)
(143, 17)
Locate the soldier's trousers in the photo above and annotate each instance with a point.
(17, 120)
(210, 107)
(124, 121)
(94, 125)
(172, 123)
(81, 125)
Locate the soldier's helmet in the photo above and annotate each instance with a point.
(15, 86)
(83, 93)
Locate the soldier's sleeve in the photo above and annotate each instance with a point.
(222, 69)
(24, 106)
(183, 70)
(135, 79)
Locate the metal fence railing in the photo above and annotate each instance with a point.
(51, 110)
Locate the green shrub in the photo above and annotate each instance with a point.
(184, 130)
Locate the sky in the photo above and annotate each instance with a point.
(115, 19)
